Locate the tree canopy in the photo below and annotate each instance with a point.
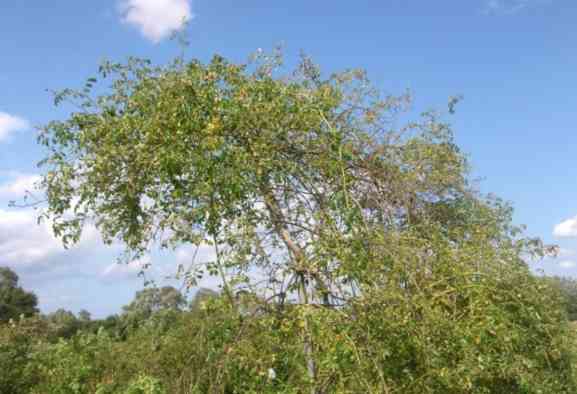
(14, 300)
(376, 262)
(154, 299)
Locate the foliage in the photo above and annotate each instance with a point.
(63, 323)
(14, 301)
(145, 385)
(352, 252)
(17, 342)
(68, 366)
(152, 305)
(84, 316)
(212, 350)
(201, 297)
(568, 289)
(153, 299)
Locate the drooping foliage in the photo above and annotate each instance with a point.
(369, 261)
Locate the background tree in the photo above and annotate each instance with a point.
(201, 296)
(158, 306)
(568, 290)
(154, 299)
(63, 323)
(84, 316)
(14, 301)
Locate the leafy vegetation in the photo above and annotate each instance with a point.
(567, 287)
(353, 253)
(14, 301)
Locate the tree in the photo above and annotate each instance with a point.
(154, 299)
(63, 323)
(200, 297)
(354, 230)
(84, 316)
(568, 289)
(14, 301)
(153, 302)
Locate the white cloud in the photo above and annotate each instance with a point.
(19, 185)
(156, 19)
(159, 268)
(566, 229)
(10, 124)
(188, 255)
(125, 271)
(566, 253)
(567, 264)
(510, 7)
(24, 242)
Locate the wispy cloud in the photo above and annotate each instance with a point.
(567, 264)
(10, 124)
(19, 185)
(115, 271)
(566, 229)
(563, 252)
(511, 7)
(157, 269)
(156, 19)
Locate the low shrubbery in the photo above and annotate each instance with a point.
(446, 344)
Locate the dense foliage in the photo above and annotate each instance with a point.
(567, 287)
(14, 300)
(210, 349)
(353, 254)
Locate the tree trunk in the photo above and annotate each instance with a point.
(299, 261)
(307, 341)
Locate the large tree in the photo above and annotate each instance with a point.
(154, 299)
(14, 300)
(356, 227)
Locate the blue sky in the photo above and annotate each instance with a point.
(514, 61)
